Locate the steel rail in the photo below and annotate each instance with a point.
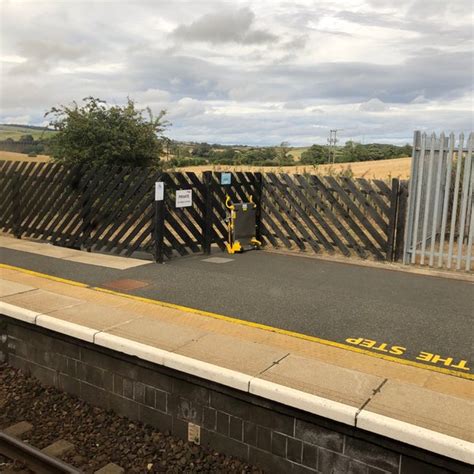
(36, 460)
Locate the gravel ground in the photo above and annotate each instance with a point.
(101, 436)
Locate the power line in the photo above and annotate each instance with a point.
(332, 141)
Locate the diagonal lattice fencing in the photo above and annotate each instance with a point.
(112, 209)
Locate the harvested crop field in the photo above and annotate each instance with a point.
(11, 156)
(383, 169)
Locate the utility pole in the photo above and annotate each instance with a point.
(332, 141)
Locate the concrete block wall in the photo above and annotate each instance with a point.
(264, 433)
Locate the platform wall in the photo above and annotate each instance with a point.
(264, 433)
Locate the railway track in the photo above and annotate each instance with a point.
(34, 459)
(41, 461)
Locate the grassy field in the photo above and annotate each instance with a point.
(16, 132)
(296, 152)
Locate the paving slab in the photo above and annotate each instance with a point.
(90, 258)
(41, 301)
(162, 335)
(456, 387)
(109, 261)
(435, 411)
(325, 380)
(94, 316)
(233, 353)
(8, 288)
(42, 249)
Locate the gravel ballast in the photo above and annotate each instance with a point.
(101, 436)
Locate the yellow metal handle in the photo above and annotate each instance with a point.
(227, 201)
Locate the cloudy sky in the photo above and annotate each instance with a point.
(252, 72)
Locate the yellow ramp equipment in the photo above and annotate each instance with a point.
(241, 226)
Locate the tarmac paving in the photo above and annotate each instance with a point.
(416, 317)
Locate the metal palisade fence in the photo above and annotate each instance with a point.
(440, 219)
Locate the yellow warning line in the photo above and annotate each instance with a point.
(43, 275)
(242, 322)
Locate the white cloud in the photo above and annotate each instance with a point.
(248, 72)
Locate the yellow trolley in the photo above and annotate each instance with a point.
(241, 226)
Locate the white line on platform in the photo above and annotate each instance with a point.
(304, 401)
(417, 436)
(133, 348)
(66, 327)
(16, 312)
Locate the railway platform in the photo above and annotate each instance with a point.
(365, 408)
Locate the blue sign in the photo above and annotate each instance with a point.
(226, 178)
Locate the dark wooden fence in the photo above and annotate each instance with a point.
(104, 209)
(325, 214)
(112, 209)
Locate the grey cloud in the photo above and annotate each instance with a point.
(373, 105)
(281, 90)
(432, 31)
(432, 74)
(224, 27)
(44, 49)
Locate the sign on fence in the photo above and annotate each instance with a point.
(184, 198)
(226, 178)
(159, 191)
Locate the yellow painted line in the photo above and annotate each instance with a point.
(43, 275)
(263, 327)
(287, 333)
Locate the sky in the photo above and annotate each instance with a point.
(247, 72)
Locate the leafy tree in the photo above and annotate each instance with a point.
(26, 139)
(283, 151)
(98, 133)
(202, 150)
(314, 155)
(256, 156)
(226, 156)
(353, 151)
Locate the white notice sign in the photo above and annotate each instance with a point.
(184, 198)
(159, 191)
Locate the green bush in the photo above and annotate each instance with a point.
(97, 133)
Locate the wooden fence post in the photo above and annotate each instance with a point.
(159, 227)
(392, 223)
(207, 217)
(16, 205)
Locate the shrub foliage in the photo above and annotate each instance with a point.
(97, 133)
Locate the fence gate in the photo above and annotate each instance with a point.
(440, 219)
(190, 215)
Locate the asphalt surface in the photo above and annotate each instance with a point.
(329, 300)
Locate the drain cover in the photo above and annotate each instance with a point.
(125, 284)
